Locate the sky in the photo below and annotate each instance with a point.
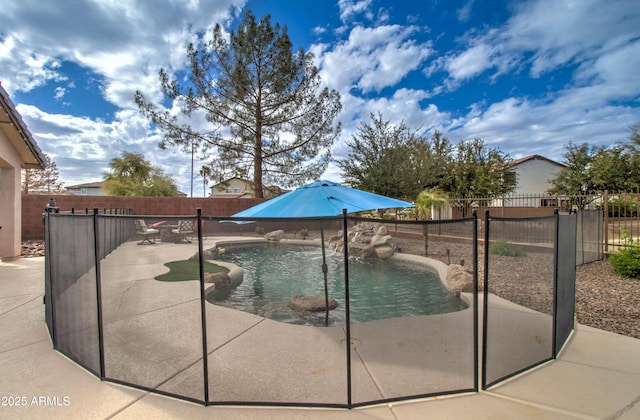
(527, 77)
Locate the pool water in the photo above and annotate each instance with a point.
(378, 289)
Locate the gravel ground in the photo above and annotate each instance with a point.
(604, 299)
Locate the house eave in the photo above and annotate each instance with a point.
(16, 131)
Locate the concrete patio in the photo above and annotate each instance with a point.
(596, 376)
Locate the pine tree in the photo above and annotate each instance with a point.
(273, 117)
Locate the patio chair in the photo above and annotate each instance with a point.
(147, 233)
(184, 229)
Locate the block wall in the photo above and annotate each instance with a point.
(33, 206)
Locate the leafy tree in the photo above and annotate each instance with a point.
(132, 175)
(437, 170)
(597, 168)
(42, 180)
(614, 169)
(481, 171)
(279, 118)
(393, 160)
(575, 178)
(386, 159)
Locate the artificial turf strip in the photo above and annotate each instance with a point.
(188, 270)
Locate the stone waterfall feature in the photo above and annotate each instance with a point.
(367, 240)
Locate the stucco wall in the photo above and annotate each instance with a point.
(10, 203)
(535, 175)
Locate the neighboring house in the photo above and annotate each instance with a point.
(232, 188)
(95, 189)
(241, 188)
(534, 175)
(90, 188)
(18, 150)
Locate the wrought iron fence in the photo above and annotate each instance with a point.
(619, 214)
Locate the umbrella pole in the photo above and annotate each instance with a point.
(324, 272)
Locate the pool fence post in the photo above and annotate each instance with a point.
(475, 301)
(346, 302)
(324, 273)
(556, 241)
(203, 309)
(49, 299)
(485, 296)
(96, 254)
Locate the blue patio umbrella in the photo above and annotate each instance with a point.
(321, 199)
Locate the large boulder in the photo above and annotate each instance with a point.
(220, 280)
(381, 230)
(377, 240)
(274, 236)
(311, 303)
(458, 279)
(357, 249)
(383, 252)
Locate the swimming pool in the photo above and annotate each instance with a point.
(378, 289)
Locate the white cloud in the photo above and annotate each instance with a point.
(351, 8)
(73, 142)
(470, 63)
(464, 12)
(522, 127)
(121, 41)
(372, 58)
(546, 34)
(60, 92)
(23, 69)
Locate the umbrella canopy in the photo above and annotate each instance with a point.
(319, 199)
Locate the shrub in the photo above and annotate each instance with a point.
(623, 207)
(627, 260)
(259, 230)
(304, 233)
(504, 248)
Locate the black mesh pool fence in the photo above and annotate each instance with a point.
(212, 310)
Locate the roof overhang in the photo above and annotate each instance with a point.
(16, 131)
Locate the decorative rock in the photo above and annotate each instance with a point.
(361, 250)
(366, 240)
(336, 238)
(221, 280)
(32, 249)
(361, 239)
(382, 230)
(274, 236)
(311, 303)
(458, 279)
(377, 240)
(383, 252)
